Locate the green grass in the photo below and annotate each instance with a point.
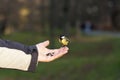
(90, 58)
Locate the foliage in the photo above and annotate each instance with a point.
(35, 14)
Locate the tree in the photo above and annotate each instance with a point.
(4, 15)
(115, 15)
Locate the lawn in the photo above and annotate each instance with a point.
(90, 58)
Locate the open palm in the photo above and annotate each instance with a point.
(47, 55)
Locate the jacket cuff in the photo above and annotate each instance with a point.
(34, 59)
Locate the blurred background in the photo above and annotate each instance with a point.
(93, 27)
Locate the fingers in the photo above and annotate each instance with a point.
(46, 43)
(59, 53)
(66, 48)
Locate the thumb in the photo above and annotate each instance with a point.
(46, 43)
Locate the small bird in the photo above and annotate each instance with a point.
(64, 40)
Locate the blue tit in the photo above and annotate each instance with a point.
(64, 40)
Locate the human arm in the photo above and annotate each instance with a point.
(15, 55)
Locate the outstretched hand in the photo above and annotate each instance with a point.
(47, 55)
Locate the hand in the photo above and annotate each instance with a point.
(47, 55)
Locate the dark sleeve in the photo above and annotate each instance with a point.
(28, 50)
